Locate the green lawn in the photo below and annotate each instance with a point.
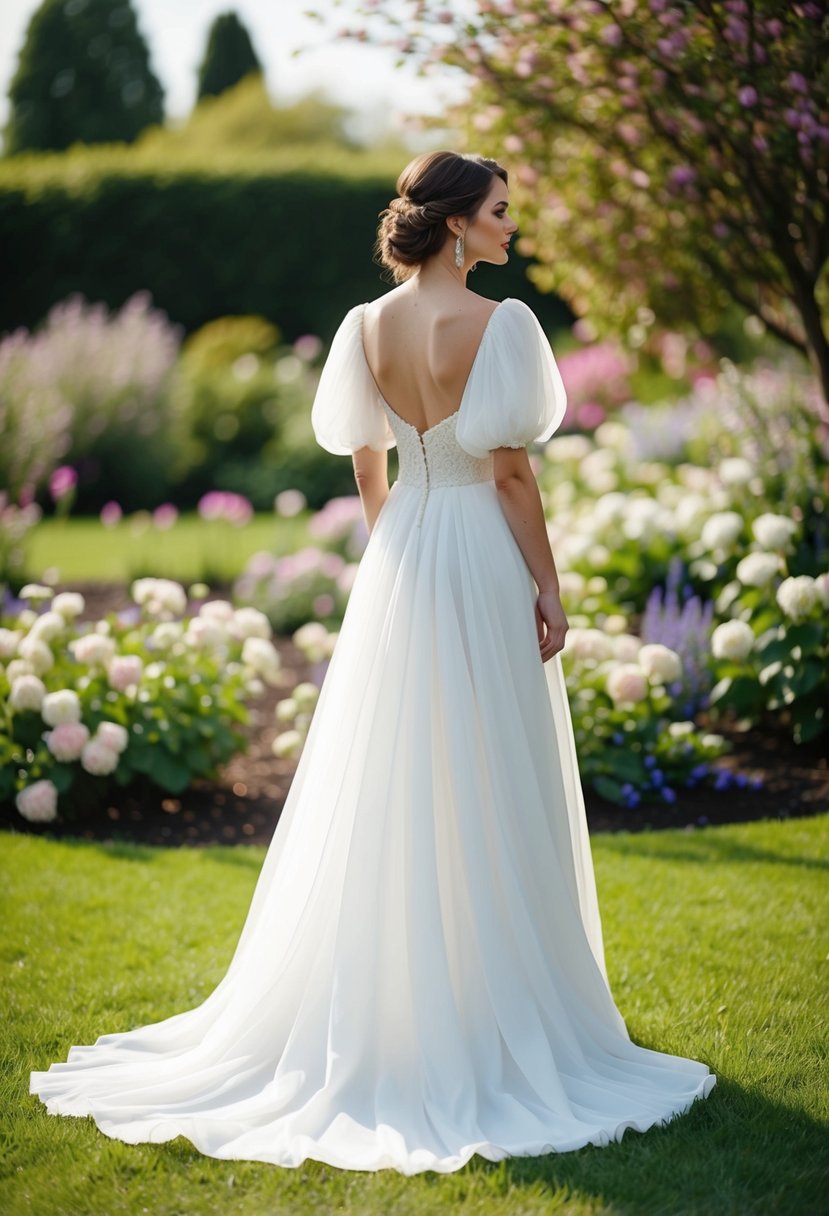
(717, 949)
(83, 549)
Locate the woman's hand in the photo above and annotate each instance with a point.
(551, 623)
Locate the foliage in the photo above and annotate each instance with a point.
(148, 692)
(85, 390)
(666, 158)
(83, 75)
(285, 235)
(228, 58)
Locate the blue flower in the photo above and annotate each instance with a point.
(649, 761)
(668, 794)
(741, 780)
(723, 780)
(657, 777)
(617, 737)
(699, 770)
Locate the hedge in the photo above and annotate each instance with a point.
(290, 242)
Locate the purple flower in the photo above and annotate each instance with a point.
(62, 481)
(747, 96)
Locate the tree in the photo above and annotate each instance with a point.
(669, 157)
(83, 75)
(228, 58)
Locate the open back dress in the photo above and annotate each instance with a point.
(420, 975)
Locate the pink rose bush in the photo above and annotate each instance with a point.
(113, 699)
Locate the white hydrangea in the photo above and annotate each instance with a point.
(721, 530)
(166, 634)
(758, 569)
(286, 710)
(18, 668)
(37, 654)
(659, 663)
(206, 633)
(288, 744)
(735, 471)
(263, 658)
(627, 684)
(312, 639)
(92, 648)
(797, 596)
(27, 692)
(160, 596)
(9, 641)
(249, 623)
(64, 705)
(568, 447)
(822, 588)
(305, 695)
(626, 647)
(69, 604)
(48, 625)
(112, 735)
(732, 640)
(217, 610)
(38, 802)
(588, 644)
(773, 531)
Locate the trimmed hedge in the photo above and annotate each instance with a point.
(292, 244)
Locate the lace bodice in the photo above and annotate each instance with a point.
(434, 457)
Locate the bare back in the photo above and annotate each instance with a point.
(420, 348)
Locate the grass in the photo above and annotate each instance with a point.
(716, 949)
(193, 549)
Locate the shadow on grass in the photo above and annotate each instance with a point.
(707, 846)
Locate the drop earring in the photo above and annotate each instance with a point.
(459, 252)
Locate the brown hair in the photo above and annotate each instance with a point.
(432, 187)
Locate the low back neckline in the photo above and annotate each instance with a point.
(454, 414)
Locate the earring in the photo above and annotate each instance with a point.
(459, 252)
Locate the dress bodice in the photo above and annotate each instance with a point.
(433, 457)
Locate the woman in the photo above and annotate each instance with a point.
(420, 976)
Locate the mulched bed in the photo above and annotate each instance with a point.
(243, 805)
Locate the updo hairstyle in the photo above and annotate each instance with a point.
(432, 187)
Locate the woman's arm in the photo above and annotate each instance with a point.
(521, 503)
(371, 473)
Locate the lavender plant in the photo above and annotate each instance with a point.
(686, 629)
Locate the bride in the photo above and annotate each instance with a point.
(420, 976)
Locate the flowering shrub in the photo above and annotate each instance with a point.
(15, 524)
(630, 738)
(84, 389)
(149, 692)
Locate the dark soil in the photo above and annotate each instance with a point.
(244, 803)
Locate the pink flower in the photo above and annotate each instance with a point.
(62, 481)
(747, 96)
(67, 740)
(124, 670)
(38, 801)
(627, 684)
(110, 514)
(112, 735)
(98, 759)
(165, 516)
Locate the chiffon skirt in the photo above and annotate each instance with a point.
(420, 976)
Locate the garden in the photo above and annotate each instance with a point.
(177, 553)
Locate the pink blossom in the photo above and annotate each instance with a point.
(62, 481)
(38, 801)
(98, 759)
(124, 670)
(165, 516)
(66, 741)
(110, 514)
(747, 96)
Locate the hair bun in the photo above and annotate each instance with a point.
(410, 232)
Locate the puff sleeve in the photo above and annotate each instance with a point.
(515, 393)
(347, 411)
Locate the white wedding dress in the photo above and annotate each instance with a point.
(420, 976)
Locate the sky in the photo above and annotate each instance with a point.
(361, 77)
